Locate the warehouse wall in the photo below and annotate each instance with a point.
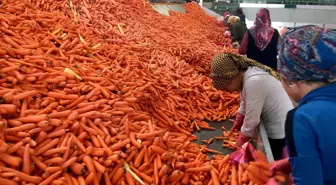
(292, 17)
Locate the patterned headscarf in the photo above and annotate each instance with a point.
(225, 66)
(226, 14)
(308, 53)
(262, 31)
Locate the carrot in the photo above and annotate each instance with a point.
(53, 143)
(255, 175)
(129, 179)
(10, 160)
(240, 173)
(90, 178)
(38, 163)
(23, 176)
(185, 179)
(119, 173)
(244, 177)
(78, 168)
(199, 169)
(50, 178)
(4, 181)
(107, 178)
(234, 176)
(33, 119)
(26, 160)
(81, 180)
(214, 178)
(139, 158)
(89, 164)
(120, 144)
(8, 108)
(100, 168)
(8, 40)
(69, 162)
(176, 176)
(163, 171)
(280, 178)
(261, 156)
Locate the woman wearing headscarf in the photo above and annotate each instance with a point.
(307, 65)
(262, 99)
(260, 41)
(241, 14)
(237, 29)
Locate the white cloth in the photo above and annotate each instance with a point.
(263, 99)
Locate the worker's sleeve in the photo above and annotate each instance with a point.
(255, 95)
(243, 45)
(241, 109)
(303, 150)
(234, 31)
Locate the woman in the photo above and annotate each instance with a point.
(237, 29)
(226, 18)
(241, 15)
(307, 65)
(263, 99)
(260, 41)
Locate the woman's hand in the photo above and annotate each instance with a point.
(241, 140)
(238, 122)
(282, 165)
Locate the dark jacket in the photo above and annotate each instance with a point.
(242, 17)
(238, 31)
(310, 135)
(268, 56)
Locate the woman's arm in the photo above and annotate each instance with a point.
(243, 45)
(303, 149)
(255, 94)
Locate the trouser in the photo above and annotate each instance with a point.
(277, 146)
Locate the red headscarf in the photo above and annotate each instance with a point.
(262, 31)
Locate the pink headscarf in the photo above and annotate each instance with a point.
(262, 31)
(226, 14)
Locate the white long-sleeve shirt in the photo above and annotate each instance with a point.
(263, 99)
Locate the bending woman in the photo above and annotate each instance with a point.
(263, 99)
(260, 41)
(307, 65)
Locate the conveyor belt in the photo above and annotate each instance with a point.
(164, 8)
(261, 142)
(207, 134)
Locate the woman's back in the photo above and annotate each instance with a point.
(264, 95)
(268, 56)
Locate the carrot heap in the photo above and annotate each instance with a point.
(101, 92)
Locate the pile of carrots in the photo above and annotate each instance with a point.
(107, 92)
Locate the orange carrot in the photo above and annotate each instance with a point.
(176, 176)
(199, 169)
(214, 178)
(117, 176)
(157, 149)
(26, 160)
(89, 164)
(50, 178)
